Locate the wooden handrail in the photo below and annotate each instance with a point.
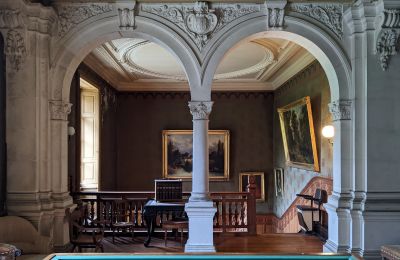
(236, 211)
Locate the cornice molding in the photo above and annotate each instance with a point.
(340, 109)
(201, 20)
(200, 110)
(329, 14)
(388, 41)
(59, 110)
(70, 15)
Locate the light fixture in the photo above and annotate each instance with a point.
(328, 132)
(71, 130)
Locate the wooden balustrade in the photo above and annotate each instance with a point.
(236, 211)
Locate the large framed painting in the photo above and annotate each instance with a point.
(244, 180)
(178, 154)
(298, 134)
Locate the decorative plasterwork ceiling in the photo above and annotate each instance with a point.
(139, 65)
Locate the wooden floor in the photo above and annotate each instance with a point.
(268, 243)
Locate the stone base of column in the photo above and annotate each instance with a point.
(201, 239)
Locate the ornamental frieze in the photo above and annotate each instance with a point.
(340, 110)
(59, 110)
(72, 15)
(331, 15)
(200, 21)
(11, 19)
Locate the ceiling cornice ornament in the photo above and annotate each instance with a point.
(11, 19)
(200, 110)
(388, 42)
(59, 110)
(72, 15)
(275, 14)
(15, 49)
(198, 20)
(340, 110)
(126, 14)
(329, 14)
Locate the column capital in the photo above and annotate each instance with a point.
(59, 110)
(340, 109)
(200, 110)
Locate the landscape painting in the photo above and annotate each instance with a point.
(178, 154)
(298, 134)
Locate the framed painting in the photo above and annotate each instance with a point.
(279, 181)
(178, 154)
(298, 134)
(259, 181)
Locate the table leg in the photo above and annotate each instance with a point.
(150, 223)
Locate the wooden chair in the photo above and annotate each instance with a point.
(122, 218)
(320, 197)
(81, 236)
(176, 226)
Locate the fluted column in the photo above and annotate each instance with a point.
(200, 209)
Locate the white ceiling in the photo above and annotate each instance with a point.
(139, 65)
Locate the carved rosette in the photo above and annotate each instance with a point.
(15, 49)
(59, 110)
(330, 15)
(388, 42)
(72, 15)
(126, 15)
(199, 21)
(200, 110)
(340, 110)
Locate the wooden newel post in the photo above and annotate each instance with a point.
(251, 205)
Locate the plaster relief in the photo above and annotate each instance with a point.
(199, 20)
(72, 15)
(275, 14)
(15, 49)
(10, 19)
(388, 42)
(330, 15)
(59, 110)
(126, 15)
(200, 110)
(340, 110)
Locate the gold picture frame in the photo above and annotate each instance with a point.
(298, 134)
(178, 154)
(259, 181)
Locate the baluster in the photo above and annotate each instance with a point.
(242, 212)
(141, 214)
(136, 213)
(223, 215)
(230, 213)
(217, 214)
(92, 216)
(236, 214)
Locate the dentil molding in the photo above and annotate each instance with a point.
(340, 110)
(330, 14)
(59, 110)
(199, 21)
(70, 15)
(15, 48)
(200, 110)
(388, 42)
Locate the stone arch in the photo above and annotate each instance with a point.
(337, 67)
(85, 39)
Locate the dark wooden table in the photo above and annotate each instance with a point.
(150, 211)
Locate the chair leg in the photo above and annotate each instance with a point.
(165, 238)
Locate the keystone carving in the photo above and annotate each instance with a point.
(388, 42)
(199, 21)
(59, 110)
(72, 15)
(340, 110)
(275, 14)
(15, 49)
(200, 110)
(330, 15)
(126, 14)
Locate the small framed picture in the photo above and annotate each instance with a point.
(259, 181)
(279, 181)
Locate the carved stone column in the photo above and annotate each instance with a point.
(200, 209)
(340, 202)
